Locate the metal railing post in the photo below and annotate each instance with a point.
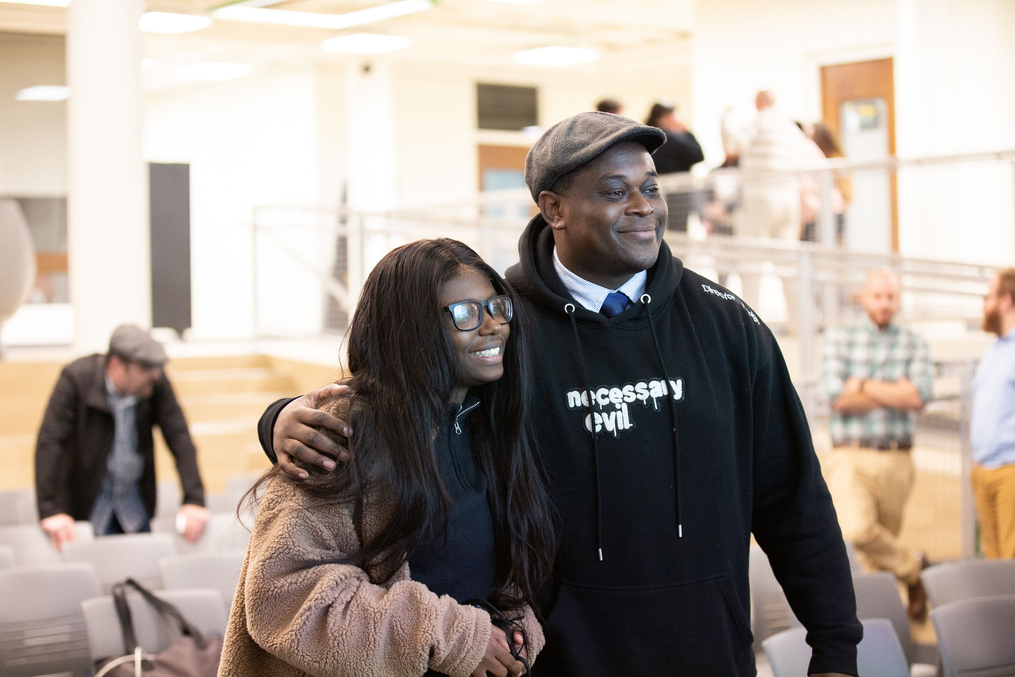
(806, 331)
(829, 238)
(255, 317)
(969, 523)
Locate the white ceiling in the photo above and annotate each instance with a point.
(631, 35)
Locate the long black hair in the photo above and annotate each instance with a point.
(403, 370)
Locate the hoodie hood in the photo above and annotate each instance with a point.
(535, 277)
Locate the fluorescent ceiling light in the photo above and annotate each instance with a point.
(213, 71)
(46, 3)
(43, 93)
(556, 56)
(318, 20)
(172, 24)
(366, 43)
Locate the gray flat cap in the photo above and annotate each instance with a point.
(133, 343)
(578, 140)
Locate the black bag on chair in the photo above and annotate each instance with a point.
(193, 655)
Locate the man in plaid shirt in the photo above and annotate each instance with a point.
(877, 376)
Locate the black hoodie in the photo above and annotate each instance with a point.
(656, 517)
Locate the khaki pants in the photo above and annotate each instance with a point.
(870, 489)
(995, 504)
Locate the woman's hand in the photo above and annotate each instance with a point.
(296, 433)
(498, 660)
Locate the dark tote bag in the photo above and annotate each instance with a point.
(193, 655)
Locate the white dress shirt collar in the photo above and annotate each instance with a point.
(590, 294)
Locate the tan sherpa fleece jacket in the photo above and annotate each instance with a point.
(297, 612)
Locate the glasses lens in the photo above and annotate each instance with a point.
(467, 315)
(501, 309)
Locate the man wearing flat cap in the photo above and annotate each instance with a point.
(95, 457)
(668, 426)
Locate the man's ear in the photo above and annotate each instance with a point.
(551, 206)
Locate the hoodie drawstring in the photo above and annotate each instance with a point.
(645, 300)
(569, 309)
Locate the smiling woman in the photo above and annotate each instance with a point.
(397, 562)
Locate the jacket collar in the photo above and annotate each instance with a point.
(96, 396)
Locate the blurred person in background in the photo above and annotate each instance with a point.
(771, 206)
(722, 200)
(95, 456)
(842, 187)
(610, 106)
(680, 152)
(877, 376)
(993, 422)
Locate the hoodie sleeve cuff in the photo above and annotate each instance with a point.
(470, 647)
(266, 426)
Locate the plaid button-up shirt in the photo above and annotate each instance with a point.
(865, 352)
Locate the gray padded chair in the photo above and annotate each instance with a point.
(17, 506)
(223, 533)
(968, 579)
(976, 637)
(6, 556)
(219, 570)
(31, 545)
(123, 556)
(770, 612)
(877, 596)
(879, 654)
(42, 630)
(201, 606)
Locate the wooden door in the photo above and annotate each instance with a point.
(502, 167)
(864, 85)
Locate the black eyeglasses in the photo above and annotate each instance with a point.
(468, 315)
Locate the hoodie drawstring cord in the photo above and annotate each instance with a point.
(569, 309)
(645, 300)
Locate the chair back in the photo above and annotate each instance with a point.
(31, 545)
(223, 533)
(219, 570)
(976, 637)
(770, 611)
(879, 654)
(123, 556)
(6, 556)
(17, 506)
(877, 596)
(967, 579)
(202, 607)
(42, 629)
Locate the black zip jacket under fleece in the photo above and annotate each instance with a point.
(656, 519)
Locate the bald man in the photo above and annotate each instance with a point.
(877, 376)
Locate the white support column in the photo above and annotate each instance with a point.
(370, 163)
(108, 234)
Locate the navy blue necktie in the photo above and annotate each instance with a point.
(614, 304)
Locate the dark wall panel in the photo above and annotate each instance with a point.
(170, 223)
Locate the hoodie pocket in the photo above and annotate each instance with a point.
(697, 628)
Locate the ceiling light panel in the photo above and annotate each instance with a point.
(555, 56)
(172, 24)
(43, 93)
(213, 71)
(319, 20)
(366, 43)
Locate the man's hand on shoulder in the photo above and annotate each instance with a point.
(60, 529)
(190, 521)
(297, 433)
